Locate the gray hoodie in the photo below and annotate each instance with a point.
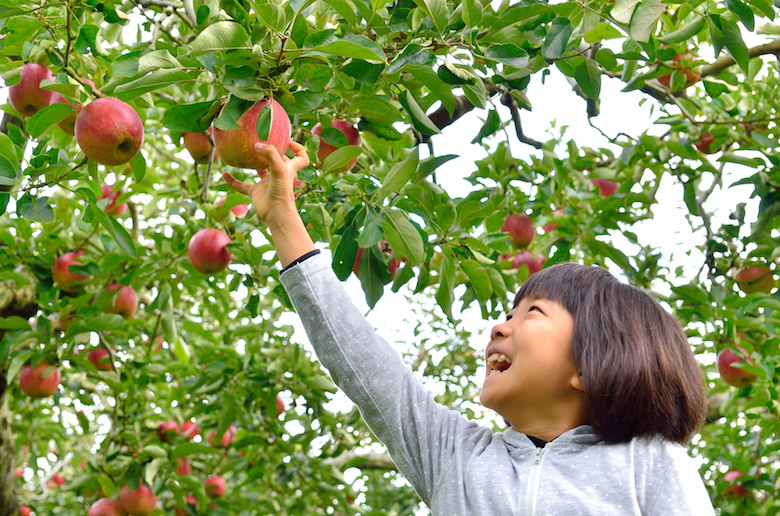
(460, 468)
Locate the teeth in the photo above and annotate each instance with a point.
(498, 358)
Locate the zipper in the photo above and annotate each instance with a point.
(533, 482)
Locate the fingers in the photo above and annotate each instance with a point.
(234, 183)
(272, 156)
(301, 159)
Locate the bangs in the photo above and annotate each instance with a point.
(567, 284)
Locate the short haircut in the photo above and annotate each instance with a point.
(639, 374)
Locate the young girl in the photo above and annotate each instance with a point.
(597, 382)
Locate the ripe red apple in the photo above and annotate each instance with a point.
(681, 64)
(756, 278)
(236, 147)
(106, 507)
(736, 490)
(189, 430)
(112, 208)
(39, 381)
(733, 375)
(281, 408)
(26, 511)
(101, 359)
(109, 131)
(167, 430)
(527, 258)
(60, 272)
(19, 472)
(57, 479)
(191, 500)
(704, 143)
(606, 187)
(199, 145)
(26, 96)
(215, 486)
(551, 227)
(226, 439)
(67, 124)
(183, 466)
(126, 303)
(239, 210)
(208, 252)
(520, 229)
(138, 502)
(326, 149)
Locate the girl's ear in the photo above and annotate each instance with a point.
(576, 382)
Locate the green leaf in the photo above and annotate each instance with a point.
(445, 294)
(86, 40)
(420, 120)
(744, 12)
(356, 47)
(732, 39)
(231, 112)
(507, 53)
(126, 65)
(345, 10)
(153, 81)
(491, 125)
(271, 15)
(191, 118)
(222, 35)
(645, 19)
(557, 39)
(47, 117)
(411, 54)
(156, 60)
(382, 131)
(8, 150)
(193, 449)
(588, 78)
(372, 230)
(403, 236)
(263, 125)
(138, 167)
(401, 174)
(34, 209)
(624, 10)
(436, 10)
(601, 32)
(371, 268)
(471, 12)
(341, 157)
(684, 33)
(13, 323)
(344, 255)
(479, 279)
(451, 74)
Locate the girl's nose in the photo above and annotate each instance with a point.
(499, 331)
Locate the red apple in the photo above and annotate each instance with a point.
(126, 303)
(101, 359)
(189, 430)
(734, 375)
(191, 500)
(704, 143)
(106, 507)
(26, 511)
(39, 381)
(167, 430)
(138, 502)
(239, 210)
(19, 472)
(606, 187)
(208, 252)
(236, 147)
(736, 490)
(756, 278)
(57, 479)
(551, 227)
(60, 272)
(226, 439)
(112, 208)
(183, 466)
(527, 258)
(215, 486)
(109, 131)
(681, 64)
(281, 408)
(326, 149)
(67, 124)
(520, 229)
(199, 145)
(26, 96)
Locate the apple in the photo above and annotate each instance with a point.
(215, 486)
(551, 227)
(183, 466)
(199, 145)
(101, 359)
(733, 375)
(704, 143)
(326, 149)
(109, 131)
(236, 147)
(167, 430)
(208, 252)
(126, 303)
(57, 479)
(239, 210)
(520, 229)
(736, 490)
(191, 500)
(26, 96)
(527, 258)
(106, 507)
(19, 472)
(26, 511)
(756, 278)
(61, 275)
(138, 502)
(189, 430)
(227, 437)
(39, 381)
(606, 187)
(681, 64)
(67, 124)
(111, 208)
(281, 408)
(391, 267)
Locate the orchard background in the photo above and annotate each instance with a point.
(400, 72)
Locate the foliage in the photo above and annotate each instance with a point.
(400, 71)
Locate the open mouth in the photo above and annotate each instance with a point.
(498, 363)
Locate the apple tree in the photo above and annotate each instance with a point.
(132, 274)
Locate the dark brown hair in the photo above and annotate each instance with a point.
(638, 370)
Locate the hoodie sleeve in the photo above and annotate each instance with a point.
(420, 434)
(680, 489)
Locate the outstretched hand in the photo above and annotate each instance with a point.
(273, 197)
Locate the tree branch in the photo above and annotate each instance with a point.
(509, 101)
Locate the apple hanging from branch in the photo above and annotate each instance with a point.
(520, 229)
(755, 278)
(112, 195)
(138, 502)
(63, 277)
(236, 147)
(731, 374)
(101, 359)
(208, 251)
(199, 145)
(214, 486)
(26, 96)
(351, 137)
(109, 131)
(106, 507)
(126, 303)
(68, 123)
(40, 381)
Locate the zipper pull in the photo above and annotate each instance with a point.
(538, 458)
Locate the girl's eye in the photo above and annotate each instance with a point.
(534, 307)
(508, 317)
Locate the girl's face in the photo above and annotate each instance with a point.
(531, 375)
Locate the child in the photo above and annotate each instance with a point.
(596, 380)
